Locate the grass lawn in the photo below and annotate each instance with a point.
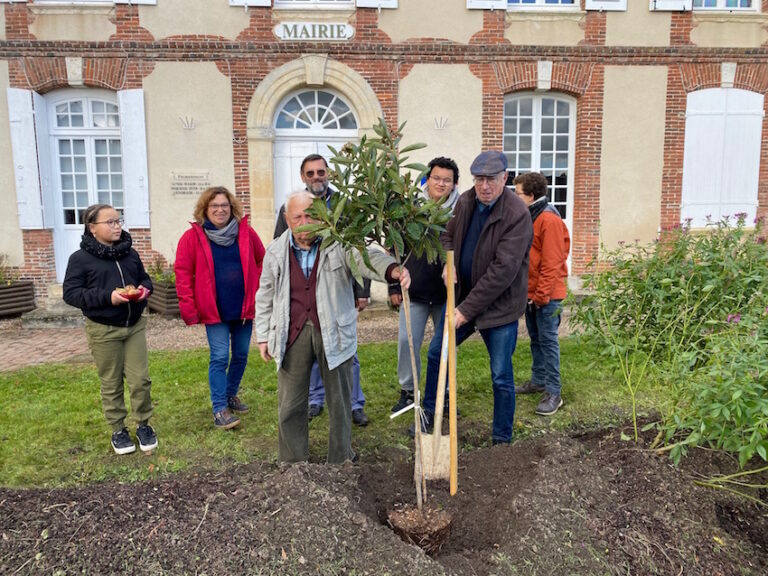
(53, 433)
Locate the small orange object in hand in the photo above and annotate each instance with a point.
(130, 292)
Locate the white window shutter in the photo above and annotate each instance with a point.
(741, 154)
(671, 5)
(376, 3)
(486, 4)
(250, 2)
(24, 151)
(702, 157)
(606, 5)
(45, 167)
(133, 135)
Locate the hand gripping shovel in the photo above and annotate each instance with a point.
(436, 448)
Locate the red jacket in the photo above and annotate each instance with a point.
(196, 283)
(547, 268)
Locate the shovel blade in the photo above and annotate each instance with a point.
(437, 463)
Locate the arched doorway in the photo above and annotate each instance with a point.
(308, 121)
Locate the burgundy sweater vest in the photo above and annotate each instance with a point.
(303, 299)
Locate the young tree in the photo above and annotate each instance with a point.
(379, 203)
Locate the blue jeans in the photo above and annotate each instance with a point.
(500, 342)
(542, 323)
(317, 390)
(225, 373)
(420, 314)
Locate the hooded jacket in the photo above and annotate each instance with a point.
(427, 286)
(195, 280)
(93, 273)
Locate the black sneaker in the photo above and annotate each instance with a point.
(529, 388)
(314, 411)
(147, 437)
(550, 404)
(359, 417)
(427, 423)
(236, 405)
(225, 420)
(122, 443)
(406, 399)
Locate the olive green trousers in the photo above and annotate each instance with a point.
(121, 353)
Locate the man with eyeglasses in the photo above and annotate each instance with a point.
(427, 290)
(490, 234)
(314, 174)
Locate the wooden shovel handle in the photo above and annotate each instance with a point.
(451, 322)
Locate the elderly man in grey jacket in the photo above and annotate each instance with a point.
(305, 312)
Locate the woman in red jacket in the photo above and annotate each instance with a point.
(218, 266)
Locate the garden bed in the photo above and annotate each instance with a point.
(578, 503)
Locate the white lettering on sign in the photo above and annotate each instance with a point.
(189, 183)
(314, 31)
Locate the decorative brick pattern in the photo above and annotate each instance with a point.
(680, 28)
(39, 262)
(700, 76)
(17, 19)
(594, 28)
(585, 240)
(674, 139)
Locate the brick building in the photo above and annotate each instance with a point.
(642, 113)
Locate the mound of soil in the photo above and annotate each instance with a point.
(558, 504)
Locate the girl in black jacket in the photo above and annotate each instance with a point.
(98, 280)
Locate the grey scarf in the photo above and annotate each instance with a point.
(223, 236)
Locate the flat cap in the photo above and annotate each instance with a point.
(488, 163)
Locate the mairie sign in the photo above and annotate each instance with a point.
(314, 31)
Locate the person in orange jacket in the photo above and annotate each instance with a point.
(547, 276)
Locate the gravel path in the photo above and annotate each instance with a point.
(20, 347)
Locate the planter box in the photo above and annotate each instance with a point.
(16, 298)
(163, 299)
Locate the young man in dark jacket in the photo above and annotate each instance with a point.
(490, 234)
(427, 292)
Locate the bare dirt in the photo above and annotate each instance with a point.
(560, 504)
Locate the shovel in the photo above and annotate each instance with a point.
(436, 448)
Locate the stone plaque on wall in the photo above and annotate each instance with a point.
(189, 182)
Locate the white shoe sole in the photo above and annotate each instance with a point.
(147, 447)
(542, 413)
(126, 450)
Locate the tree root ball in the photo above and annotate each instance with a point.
(428, 529)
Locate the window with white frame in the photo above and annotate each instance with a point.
(539, 131)
(721, 158)
(317, 4)
(542, 4)
(722, 5)
(87, 155)
(315, 110)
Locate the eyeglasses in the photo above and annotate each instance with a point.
(480, 180)
(311, 173)
(446, 181)
(112, 223)
(224, 206)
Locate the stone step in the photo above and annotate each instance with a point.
(43, 318)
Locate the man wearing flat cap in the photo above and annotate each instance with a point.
(490, 234)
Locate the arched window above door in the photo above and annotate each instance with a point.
(315, 110)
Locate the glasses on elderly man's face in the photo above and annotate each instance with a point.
(112, 222)
(480, 180)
